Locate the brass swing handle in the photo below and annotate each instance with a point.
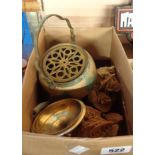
(37, 65)
(61, 18)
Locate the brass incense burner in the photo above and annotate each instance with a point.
(65, 69)
(60, 117)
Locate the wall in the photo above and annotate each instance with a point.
(85, 12)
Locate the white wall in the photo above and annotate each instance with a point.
(85, 12)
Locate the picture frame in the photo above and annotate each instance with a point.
(124, 19)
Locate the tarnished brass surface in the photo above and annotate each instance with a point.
(65, 69)
(64, 62)
(60, 117)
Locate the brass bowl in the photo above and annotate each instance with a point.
(60, 117)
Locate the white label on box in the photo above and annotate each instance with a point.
(116, 150)
(79, 149)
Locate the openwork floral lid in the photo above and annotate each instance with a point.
(64, 62)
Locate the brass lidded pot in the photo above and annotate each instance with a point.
(59, 118)
(66, 68)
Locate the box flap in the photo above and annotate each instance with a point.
(92, 39)
(125, 74)
(39, 144)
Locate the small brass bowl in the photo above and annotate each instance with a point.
(60, 117)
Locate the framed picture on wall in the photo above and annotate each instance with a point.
(124, 19)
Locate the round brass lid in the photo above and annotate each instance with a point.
(60, 117)
(64, 62)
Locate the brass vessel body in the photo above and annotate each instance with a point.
(62, 73)
(78, 87)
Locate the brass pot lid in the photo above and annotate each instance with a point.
(64, 62)
(60, 117)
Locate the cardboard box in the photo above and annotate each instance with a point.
(101, 43)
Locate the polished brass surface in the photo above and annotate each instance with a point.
(60, 117)
(64, 62)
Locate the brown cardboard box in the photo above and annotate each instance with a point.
(101, 43)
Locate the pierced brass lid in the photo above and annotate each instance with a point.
(64, 62)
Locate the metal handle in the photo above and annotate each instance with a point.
(37, 65)
(42, 23)
(39, 107)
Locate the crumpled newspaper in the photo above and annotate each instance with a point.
(94, 125)
(107, 80)
(106, 83)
